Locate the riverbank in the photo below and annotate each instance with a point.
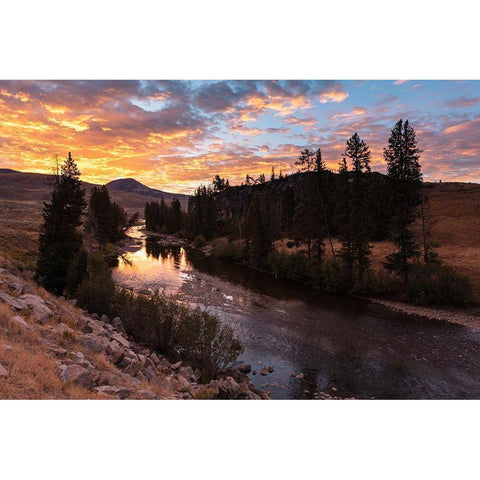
(50, 348)
(469, 317)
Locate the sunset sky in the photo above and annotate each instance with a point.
(174, 135)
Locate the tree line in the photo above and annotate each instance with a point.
(354, 205)
(62, 257)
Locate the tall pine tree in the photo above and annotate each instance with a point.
(405, 179)
(60, 242)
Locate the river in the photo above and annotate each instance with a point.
(319, 345)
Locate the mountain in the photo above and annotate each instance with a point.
(34, 188)
(130, 185)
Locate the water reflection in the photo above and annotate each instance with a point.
(316, 342)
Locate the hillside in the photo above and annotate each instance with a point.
(49, 348)
(34, 188)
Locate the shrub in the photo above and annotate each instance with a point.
(233, 251)
(436, 284)
(97, 289)
(178, 332)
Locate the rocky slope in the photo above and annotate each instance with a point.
(49, 348)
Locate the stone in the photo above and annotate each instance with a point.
(125, 362)
(245, 368)
(121, 340)
(108, 378)
(15, 287)
(185, 373)
(133, 367)
(64, 329)
(176, 366)
(41, 311)
(155, 358)
(95, 343)
(197, 374)
(150, 373)
(165, 383)
(115, 351)
(228, 388)
(3, 371)
(27, 288)
(20, 322)
(12, 301)
(57, 349)
(143, 359)
(114, 390)
(270, 369)
(300, 375)
(184, 383)
(104, 318)
(144, 395)
(79, 357)
(264, 371)
(76, 374)
(72, 301)
(6, 348)
(254, 372)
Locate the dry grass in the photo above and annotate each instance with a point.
(32, 372)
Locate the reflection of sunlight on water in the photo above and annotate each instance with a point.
(161, 268)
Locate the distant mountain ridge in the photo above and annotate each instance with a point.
(134, 186)
(36, 187)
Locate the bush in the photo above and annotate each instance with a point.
(97, 289)
(436, 284)
(233, 251)
(178, 332)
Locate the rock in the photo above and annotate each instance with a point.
(185, 373)
(164, 362)
(259, 362)
(15, 287)
(133, 367)
(228, 388)
(12, 301)
(6, 348)
(20, 322)
(65, 329)
(270, 369)
(155, 358)
(121, 340)
(150, 373)
(264, 371)
(76, 374)
(334, 389)
(245, 368)
(57, 349)
(144, 395)
(27, 288)
(72, 301)
(176, 366)
(104, 318)
(41, 311)
(143, 359)
(118, 325)
(115, 351)
(125, 362)
(95, 343)
(79, 357)
(108, 378)
(254, 372)
(3, 371)
(184, 383)
(131, 354)
(165, 383)
(197, 374)
(300, 375)
(95, 316)
(113, 390)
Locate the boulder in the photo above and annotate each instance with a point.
(176, 366)
(27, 288)
(104, 318)
(228, 388)
(264, 371)
(185, 373)
(76, 374)
(57, 349)
(150, 373)
(121, 340)
(184, 383)
(95, 343)
(72, 301)
(270, 369)
(155, 358)
(114, 390)
(20, 322)
(245, 368)
(3, 371)
(115, 351)
(41, 311)
(12, 301)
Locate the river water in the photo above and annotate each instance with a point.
(319, 345)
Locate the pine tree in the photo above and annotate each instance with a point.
(306, 160)
(60, 241)
(258, 232)
(405, 179)
(358, 153)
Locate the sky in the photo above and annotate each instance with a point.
(174, 135)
